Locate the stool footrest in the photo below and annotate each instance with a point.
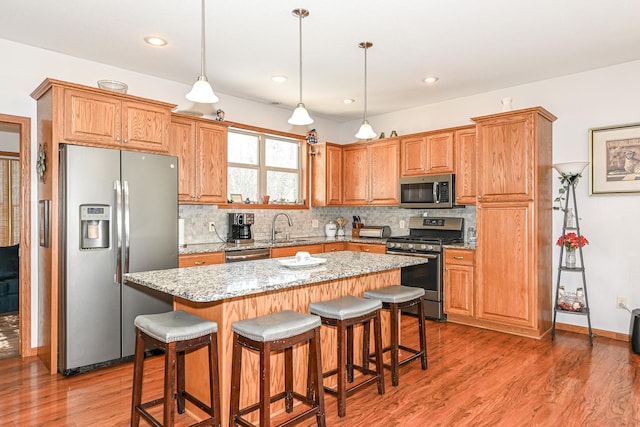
(282, 395)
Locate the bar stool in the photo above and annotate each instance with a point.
(275, 332)
(177, 332)
(395, 298)
(344, 313)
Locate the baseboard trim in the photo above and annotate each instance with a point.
(596, 332)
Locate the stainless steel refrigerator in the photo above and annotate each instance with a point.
(119, 214)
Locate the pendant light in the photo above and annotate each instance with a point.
(300, 115)
(202, 92)
(366, 131)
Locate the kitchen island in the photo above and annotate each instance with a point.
(226, 293)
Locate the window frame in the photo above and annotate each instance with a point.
(302, 170)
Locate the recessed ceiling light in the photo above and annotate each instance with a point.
(430, 79)
(279, 78)
(348, 101)
(155, 41)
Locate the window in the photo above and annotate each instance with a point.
(260, 164)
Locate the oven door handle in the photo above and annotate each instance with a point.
(428, 256)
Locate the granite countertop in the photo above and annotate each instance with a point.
(200, 248)
(223, 281)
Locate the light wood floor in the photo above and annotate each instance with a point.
(475, 378)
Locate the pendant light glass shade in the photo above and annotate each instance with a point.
(202, 92)
(365, 131)
(300, 115)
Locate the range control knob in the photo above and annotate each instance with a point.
(391, 245)
(410, 246)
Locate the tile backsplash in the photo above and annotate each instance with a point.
(197, 218)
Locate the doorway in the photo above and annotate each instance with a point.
(15, 236)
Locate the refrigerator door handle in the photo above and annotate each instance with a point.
(117, 188)
(127, 234)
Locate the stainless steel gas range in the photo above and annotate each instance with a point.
(427, 235)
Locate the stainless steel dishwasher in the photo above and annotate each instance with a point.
(246, 254)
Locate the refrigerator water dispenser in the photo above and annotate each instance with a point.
(94, 226)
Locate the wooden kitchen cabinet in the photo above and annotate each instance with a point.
(114, 121)
(440, 153)
(284, 251)
(333, 247)
(194, 260)
(326, 174)
(513, 219)
(374, 248)
(413, 155)
(465, 166)
(459, 283)
(371, 173)
(427, 153)
(201, 147)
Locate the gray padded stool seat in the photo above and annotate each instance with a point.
(276, 332)
(176, 332)
(344, 313)
(396, 298)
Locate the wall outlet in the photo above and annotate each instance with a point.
(314, 223)
(621, 302)
(402, 223)
(212, 226)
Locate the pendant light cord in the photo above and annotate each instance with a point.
(300, 50)
(202, 38)
(365, 81)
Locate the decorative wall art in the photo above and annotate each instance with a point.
(615, 159)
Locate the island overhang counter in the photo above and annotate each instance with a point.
(226, 293)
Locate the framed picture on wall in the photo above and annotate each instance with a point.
(615, 159)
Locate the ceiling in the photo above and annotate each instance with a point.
(472, 46)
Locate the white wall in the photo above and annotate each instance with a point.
(602, 97)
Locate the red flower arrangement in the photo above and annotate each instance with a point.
(571, 241)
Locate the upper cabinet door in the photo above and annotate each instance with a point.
(465, 166)
(91, 118)
(182, 134)
(383, 172)
(413, 152)
(212, 160)
(506, 147)
(355, 168)
(334, 176)
(145, 126)
(440, 153)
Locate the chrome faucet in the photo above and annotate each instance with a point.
(273, 225)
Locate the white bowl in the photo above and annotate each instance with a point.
(113, 85)
(570, 168)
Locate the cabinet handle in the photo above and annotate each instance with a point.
(366, 250)
(458, 257)
(126, 140)
(332, 249)
(199, 263)
(118, 138)
(479, 197)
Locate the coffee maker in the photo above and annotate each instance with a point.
(240, 228)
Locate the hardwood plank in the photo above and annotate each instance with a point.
(475, 377)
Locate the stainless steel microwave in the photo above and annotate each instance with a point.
(428, 192)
